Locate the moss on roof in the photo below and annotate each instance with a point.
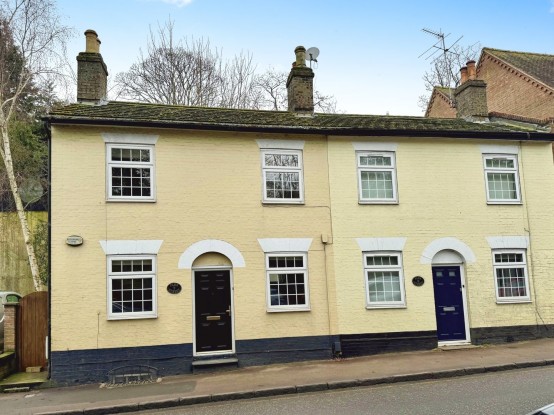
(176, 116)
(537, 65)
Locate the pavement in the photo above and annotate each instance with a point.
(279, 379)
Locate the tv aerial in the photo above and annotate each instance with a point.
(312, 54)
(440, 46)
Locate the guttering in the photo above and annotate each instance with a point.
(498, 135)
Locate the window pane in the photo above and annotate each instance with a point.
(502, 186)
(382, 260)
(116, 154)
(500, 163)
(376, 185)
(375, 161)
(384, 282)
(282, 185)
(511, 282)
(281, 160)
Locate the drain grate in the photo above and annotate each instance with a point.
(131, 375)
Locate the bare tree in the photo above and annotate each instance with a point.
(445, 69)
(187, 72)
(272, 85)
(273, 90)
(32, 48)
(192, 72)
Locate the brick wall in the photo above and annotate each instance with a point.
(511, 92)
(10, 323)
(439, 107)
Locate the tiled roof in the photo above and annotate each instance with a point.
(175, 116)
(536, 65)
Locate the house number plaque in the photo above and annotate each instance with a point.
(74, 240)
(418, 281)
(174, 288)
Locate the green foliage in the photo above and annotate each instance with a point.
(30, 158)
(40, 244)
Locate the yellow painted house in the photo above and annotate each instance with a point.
(184, 237)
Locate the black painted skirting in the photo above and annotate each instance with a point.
(506, 334)
(375, 343)
(92, 366)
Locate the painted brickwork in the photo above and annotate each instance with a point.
(209, 187)
(203, 192)
(511, 92)
(441, 190)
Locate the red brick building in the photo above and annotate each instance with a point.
(519, 86)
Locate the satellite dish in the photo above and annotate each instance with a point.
(31, 190)
(312, 54)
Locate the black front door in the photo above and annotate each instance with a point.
(213, 311)
(449, 305)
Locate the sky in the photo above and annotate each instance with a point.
(369, 49)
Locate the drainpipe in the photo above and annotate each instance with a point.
(49, 268)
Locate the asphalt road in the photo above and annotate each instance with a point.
(515, 392)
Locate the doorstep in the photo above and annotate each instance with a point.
(23, 381)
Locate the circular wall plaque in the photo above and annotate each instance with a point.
(418, 281)
(174, 288)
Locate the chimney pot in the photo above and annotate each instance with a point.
(300, 52)
(92, 42)
(471, 73)
(463, 75)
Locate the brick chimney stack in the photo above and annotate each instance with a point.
(92, 73)
(300, 85)
(471, 95)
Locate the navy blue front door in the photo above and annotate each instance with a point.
(449, 306)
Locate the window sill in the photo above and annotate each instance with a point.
(377, 307)
(286, 202)
(505, 202)
(287, 310)
(515, 301)
(378, 202)
(131, 200)
(131, 317)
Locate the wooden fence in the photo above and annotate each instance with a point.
(15, 273)
(32, 329)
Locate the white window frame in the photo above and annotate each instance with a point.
(287, 270)
(514, 171)
(505, 265)
(400, 268)
(128, 275)
(130, 164)
(277, 169)
(391, 169)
